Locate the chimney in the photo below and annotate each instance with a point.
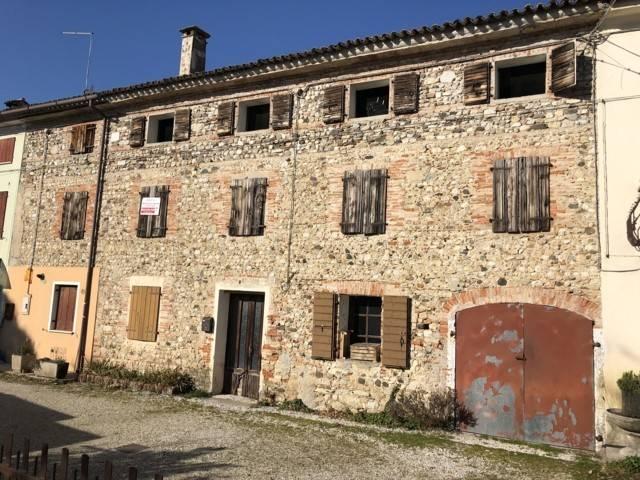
(194, 48)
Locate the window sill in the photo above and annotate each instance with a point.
(527, 98)
(62, 332)
(248, 133)
(386, 116)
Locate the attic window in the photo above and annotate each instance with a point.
(254, 115)
(521, 77)
(160, 128)
(369, 99)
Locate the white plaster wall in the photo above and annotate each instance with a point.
(9, 181)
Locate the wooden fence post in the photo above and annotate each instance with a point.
(26, 455)
(133, 473)
(108, 470)
(64, 464)
(44, 460)
(84, 467)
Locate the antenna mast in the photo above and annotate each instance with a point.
(90, 35)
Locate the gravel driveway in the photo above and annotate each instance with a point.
(184, 439)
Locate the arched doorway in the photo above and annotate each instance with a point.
(526, 371)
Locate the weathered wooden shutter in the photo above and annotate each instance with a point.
(143, 313)
(533, 192)
(282, 109)
(258, 189)
(563, 67)
(74, 212)
(333, 104)
(89, 138)
(237, 207)
(64, 308)
(136, 136)
(3, 210)
(324, 325)
(153, 226)
(405, 93)
(375, 205)
(395, 331)
(226, 118)
(500, 220)
(476, 84)
(7, 146)
(248, 199)
(352, 202)
(182, 125)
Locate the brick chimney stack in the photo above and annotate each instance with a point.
(193, 52)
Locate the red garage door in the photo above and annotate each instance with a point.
(526, 371)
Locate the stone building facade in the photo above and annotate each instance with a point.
(438, 250)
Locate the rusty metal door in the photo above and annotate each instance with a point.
(526, 371)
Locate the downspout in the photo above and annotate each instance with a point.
(93, 246)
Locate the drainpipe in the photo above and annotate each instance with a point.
(95, 228)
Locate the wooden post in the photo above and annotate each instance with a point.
(133, 473)
(26, 455)
(84, 467)
(157, 476)
(44, 460)
(64, 464)
(108, 470)
(9, 449)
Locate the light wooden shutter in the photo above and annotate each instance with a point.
(143, 313)
(333, 104)
(74, 214)
(324, 324)
(7, 146)
(476, 84)
(258, 192)
(3, 211)
(136, 136)
(500, 219)
(352, 202)
(375, 208)
(77, 139)
(237, 200)
(282, 109)
(533, 191)
(182, 125)
(563, 67)
(226, 118)
(405, 93)
(395, 331)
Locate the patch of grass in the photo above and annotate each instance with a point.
(197, 393)
(180, 382)
(296, 405)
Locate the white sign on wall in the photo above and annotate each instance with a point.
(150, 206)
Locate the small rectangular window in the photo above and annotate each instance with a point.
(7, 146)
(369, 99)
(63, 308)
(365, 316)
(254, 115)
(522, 77)
(160, 129)
(152, 214)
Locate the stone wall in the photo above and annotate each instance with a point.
(438, 244)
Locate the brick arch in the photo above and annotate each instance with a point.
(538, 296)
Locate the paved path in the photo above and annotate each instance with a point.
(185, 440)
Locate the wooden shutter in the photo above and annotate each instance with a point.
(248, 200)
(333, 104)
(136, 136)
(7, 146)
(226, 118)
(3, 210)
(563, 67)
(153, 226)
(375, 205)
(352, 202)
(500, 219)
(143, 313)
(533, 194)
(258, 190)
(74, 214)
(77, 139)
(237, 208)
(282, 109)
(182, 125)
(476, 84)
(324, 325)
(395, 331)
(64, 308)
(405, 93)
(89, 138)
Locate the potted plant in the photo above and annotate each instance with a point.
(56, 368)
(24, 359)
(629, 384)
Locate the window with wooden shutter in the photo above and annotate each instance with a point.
(137, 133)
(74, 212)
(144, 309)
(152, 215)
(324, 325)
(333, 104)
(7, 146)
(282, 108)
(226, 118)
(182, 125)
(82, 139)
(248, 201)
(364, 202)
(521, 196)
(395, 331)
(63, 308)
(405, 93)
(476, 84)
(563, 67)
(4, 196)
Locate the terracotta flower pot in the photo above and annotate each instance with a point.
(631, 404)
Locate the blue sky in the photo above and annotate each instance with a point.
(138, 40)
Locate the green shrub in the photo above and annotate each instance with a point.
(179, 381)
(26, 348)
(629, 382)
(631, 464)
(296, 405)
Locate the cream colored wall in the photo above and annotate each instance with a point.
(35, 325)
(618, 123)
(9, 180)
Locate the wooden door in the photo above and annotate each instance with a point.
(244, 345)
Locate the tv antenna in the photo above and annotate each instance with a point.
(90, 35)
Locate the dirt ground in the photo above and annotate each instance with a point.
(187, 439)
